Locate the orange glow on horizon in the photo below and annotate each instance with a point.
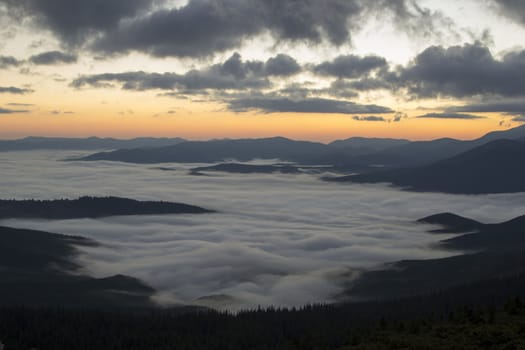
(61, 111)
(190, 125)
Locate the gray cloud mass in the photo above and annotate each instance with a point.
(370, 118)
(463, 116)
(463, 71)
(514, 9)
(498, 106)
(350, 66)
(14, 90)
(53, 57)
(282, 65)
(204, 27)
(11, 111)
(8, 62)
(74, 21)
(272, 104)
(234, 74)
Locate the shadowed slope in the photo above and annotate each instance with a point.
(91, 207)
(39, 269)
(496, 167)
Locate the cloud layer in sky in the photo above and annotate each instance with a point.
(204, 27)
(276, 56)
(463, 71)
(457, 71)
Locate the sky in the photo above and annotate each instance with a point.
(304, 69)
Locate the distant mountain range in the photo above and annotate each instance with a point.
(489, 164)
(221, 150)
(364, 145)
(351, 154)
(90, 143)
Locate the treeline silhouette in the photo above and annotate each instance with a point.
(310, 327)
(465, 328)
(91, 207)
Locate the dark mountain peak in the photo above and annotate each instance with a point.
(445, 140)
(374, 143)
(511, 134)
(494, 167)
(277, 138)
(452, 223)
(497, 151)
(499, 143)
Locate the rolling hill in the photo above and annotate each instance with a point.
(39, 269)
(495, 167)
(91, 207)
(494, 251)
(221, 150)
(355, 154)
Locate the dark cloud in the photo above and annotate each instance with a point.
(366, 84)
(399, 116)
(371, 118)
(282, 65)
(274, 104)
(74, 21)
(350, 66)
(233, 74)
(303, 90)
(450, 116)
(204, 27)
(53, 57)
(8, 62)
(11, 111)
(514, 9)
(462, 71)
(14, 90)
(509, 107)
(350, 88)
(342, 88)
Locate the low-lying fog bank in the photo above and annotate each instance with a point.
(276, 239)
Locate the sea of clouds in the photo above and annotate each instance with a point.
(276, 239)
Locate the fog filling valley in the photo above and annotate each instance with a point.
(276, 239)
